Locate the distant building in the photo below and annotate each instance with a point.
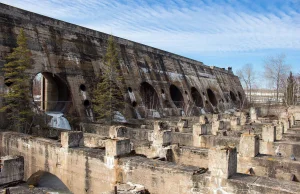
(263, 96)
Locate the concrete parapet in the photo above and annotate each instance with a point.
(249, 145)
(11, 169)
(222, 162)
(71, 139)
(268, 133)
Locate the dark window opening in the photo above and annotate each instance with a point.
(176, 96)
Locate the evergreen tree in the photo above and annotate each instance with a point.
(107, 97)
(17, 104)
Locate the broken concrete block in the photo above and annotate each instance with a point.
(162, 138)
(268, 133)
(199, 129)
(203, 119)
(11, 169)
(249, 145)
(117, 131)
(117, 147)
(71, 139)
(222, 161)
(160, 126)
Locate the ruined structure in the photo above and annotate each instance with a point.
(213, 148)
(213, 153)
(157, 83)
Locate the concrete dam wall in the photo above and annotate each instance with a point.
(70, 57)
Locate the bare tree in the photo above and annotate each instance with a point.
(247, 75)
(276, 71)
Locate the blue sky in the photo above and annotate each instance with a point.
(217, 32)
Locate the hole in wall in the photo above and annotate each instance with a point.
(232, 96)
(82, 87)
(162, 91)
(149, 96)
(176, 96)
(129, 89)
(196, 97)
(212, 97)
(50, 92)
(7, 83)
(86, 103)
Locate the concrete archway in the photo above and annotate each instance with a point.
(50, 92)
(48, 180)
(212, 97)
(176, 96)
(240, 96)
(149, 96)
(196, 97)
(232, 96)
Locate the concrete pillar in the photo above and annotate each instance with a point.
(249, 145)
(11, 169)
(279, 130)
(183, 123)
(117, 131)
(70, 139)
(268, 133)
(199, 130)
(253, 114)
(114, 148)
(203, 119)
(161, 134)
(215, 126)
(117, 147)
(222, 162)
(235, 122)
(285, 124)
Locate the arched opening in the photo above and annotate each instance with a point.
(232, 96)
(240, 96)
(149, 96)
(196, 97)
(48, 181)
(212, 97)
(50, 92)
(176, 96)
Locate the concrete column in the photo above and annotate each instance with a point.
(71, 139)
(285, 124)
(183, 123)
(222, 162)
(215, 126)
(235, 123)
(268, 133)
(161, 134)
(114, 148)
(198, 131)
(249, 145)
(203, 119)
(117, 131)
(253, 114)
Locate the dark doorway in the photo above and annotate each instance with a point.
(196, 97)
(149, 96)
(212, 97)
(232, 96)
(176, 96)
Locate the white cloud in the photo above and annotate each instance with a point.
(182, 26)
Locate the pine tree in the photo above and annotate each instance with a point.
(107, 97)
(17, 104)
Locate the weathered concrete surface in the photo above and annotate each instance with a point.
(74, 55)
(82, 170)
(11, 169)
(270, 166)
